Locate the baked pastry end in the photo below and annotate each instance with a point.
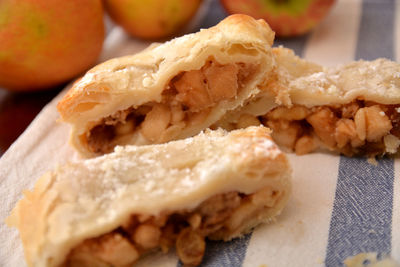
(169, 91)
(110, 210)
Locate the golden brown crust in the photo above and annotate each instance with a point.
(131, 81)
(89, 198)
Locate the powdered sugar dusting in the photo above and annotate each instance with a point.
(145, 178)
(87, 79)
(319, 77)
(265, 147)
(258, 146)
(370, 79)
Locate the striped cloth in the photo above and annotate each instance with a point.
(340, 206)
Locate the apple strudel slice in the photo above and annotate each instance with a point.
(169, 91)
(109, 210)
(353, 109)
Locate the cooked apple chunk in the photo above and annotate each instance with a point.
(219, 215)
(186, 102)
(356, 128)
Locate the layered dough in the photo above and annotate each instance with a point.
(170, 91)
(110, 210)
(352, 109)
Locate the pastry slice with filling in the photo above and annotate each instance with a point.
(110, 210)
(169, 91)
(275, 92)
(352, 109)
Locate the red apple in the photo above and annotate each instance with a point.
(286, 17)
(152, 19)
(44, 42)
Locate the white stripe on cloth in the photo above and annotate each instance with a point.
(158, 258)
(396, 213)
(397, 32)
(334, 40)
(301, 231)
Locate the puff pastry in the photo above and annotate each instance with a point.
(169, 91)
(352, 109)
(111, 209)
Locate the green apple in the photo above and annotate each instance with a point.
(152, 19)
(285, 17)
(44, 43)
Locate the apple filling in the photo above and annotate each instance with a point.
(186, 101)
(218, 217)
(357, 128)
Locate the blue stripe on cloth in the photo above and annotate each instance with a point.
(221, 254)
(362, 211)
(376, 34)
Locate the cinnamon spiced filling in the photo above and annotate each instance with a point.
(216, 218)
(187, 100)
(358, 128)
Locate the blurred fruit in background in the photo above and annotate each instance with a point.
(286, 17)
(45, 42)
(152, 19)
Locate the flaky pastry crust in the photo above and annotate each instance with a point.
(92, 198)
(229, 63)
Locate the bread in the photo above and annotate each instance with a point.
(113, 208)
(169, 91)
(351, 109)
